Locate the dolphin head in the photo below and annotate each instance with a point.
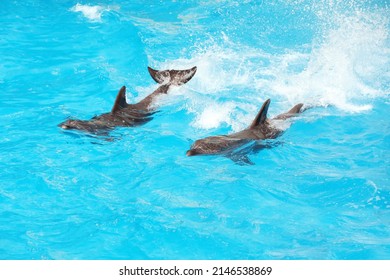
(192, 152)
(70, 124)
(201, 146)
(77, 125)
(213, 145)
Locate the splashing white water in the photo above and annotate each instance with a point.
(213, 115)
(93, 13)
(347, 66)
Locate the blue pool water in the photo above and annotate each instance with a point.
(322, 193)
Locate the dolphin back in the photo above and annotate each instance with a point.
(172, 77)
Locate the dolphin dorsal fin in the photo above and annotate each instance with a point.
(293, 111)
(296, 109)
(261, 115)
(120, 101)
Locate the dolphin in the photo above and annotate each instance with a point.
(128, 115)
(261, 128)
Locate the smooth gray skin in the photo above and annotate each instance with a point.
(260, 129)
(127, 115)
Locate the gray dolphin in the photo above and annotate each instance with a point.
(260, 129)
(127, 115)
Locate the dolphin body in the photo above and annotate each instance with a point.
(260, 129)
(128, 115)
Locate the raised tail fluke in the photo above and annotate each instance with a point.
(173, 77)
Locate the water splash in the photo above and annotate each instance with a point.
(347, 68)
(346, 65)
(93, 13)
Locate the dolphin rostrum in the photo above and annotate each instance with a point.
(126, 115)
(260, 129)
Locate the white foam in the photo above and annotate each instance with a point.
(213, 115)
(155, 26)
(93, 13)
(345, 69)
(346, 66)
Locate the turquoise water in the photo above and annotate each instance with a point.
(322, 193)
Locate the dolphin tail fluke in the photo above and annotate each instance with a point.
(173, 77)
